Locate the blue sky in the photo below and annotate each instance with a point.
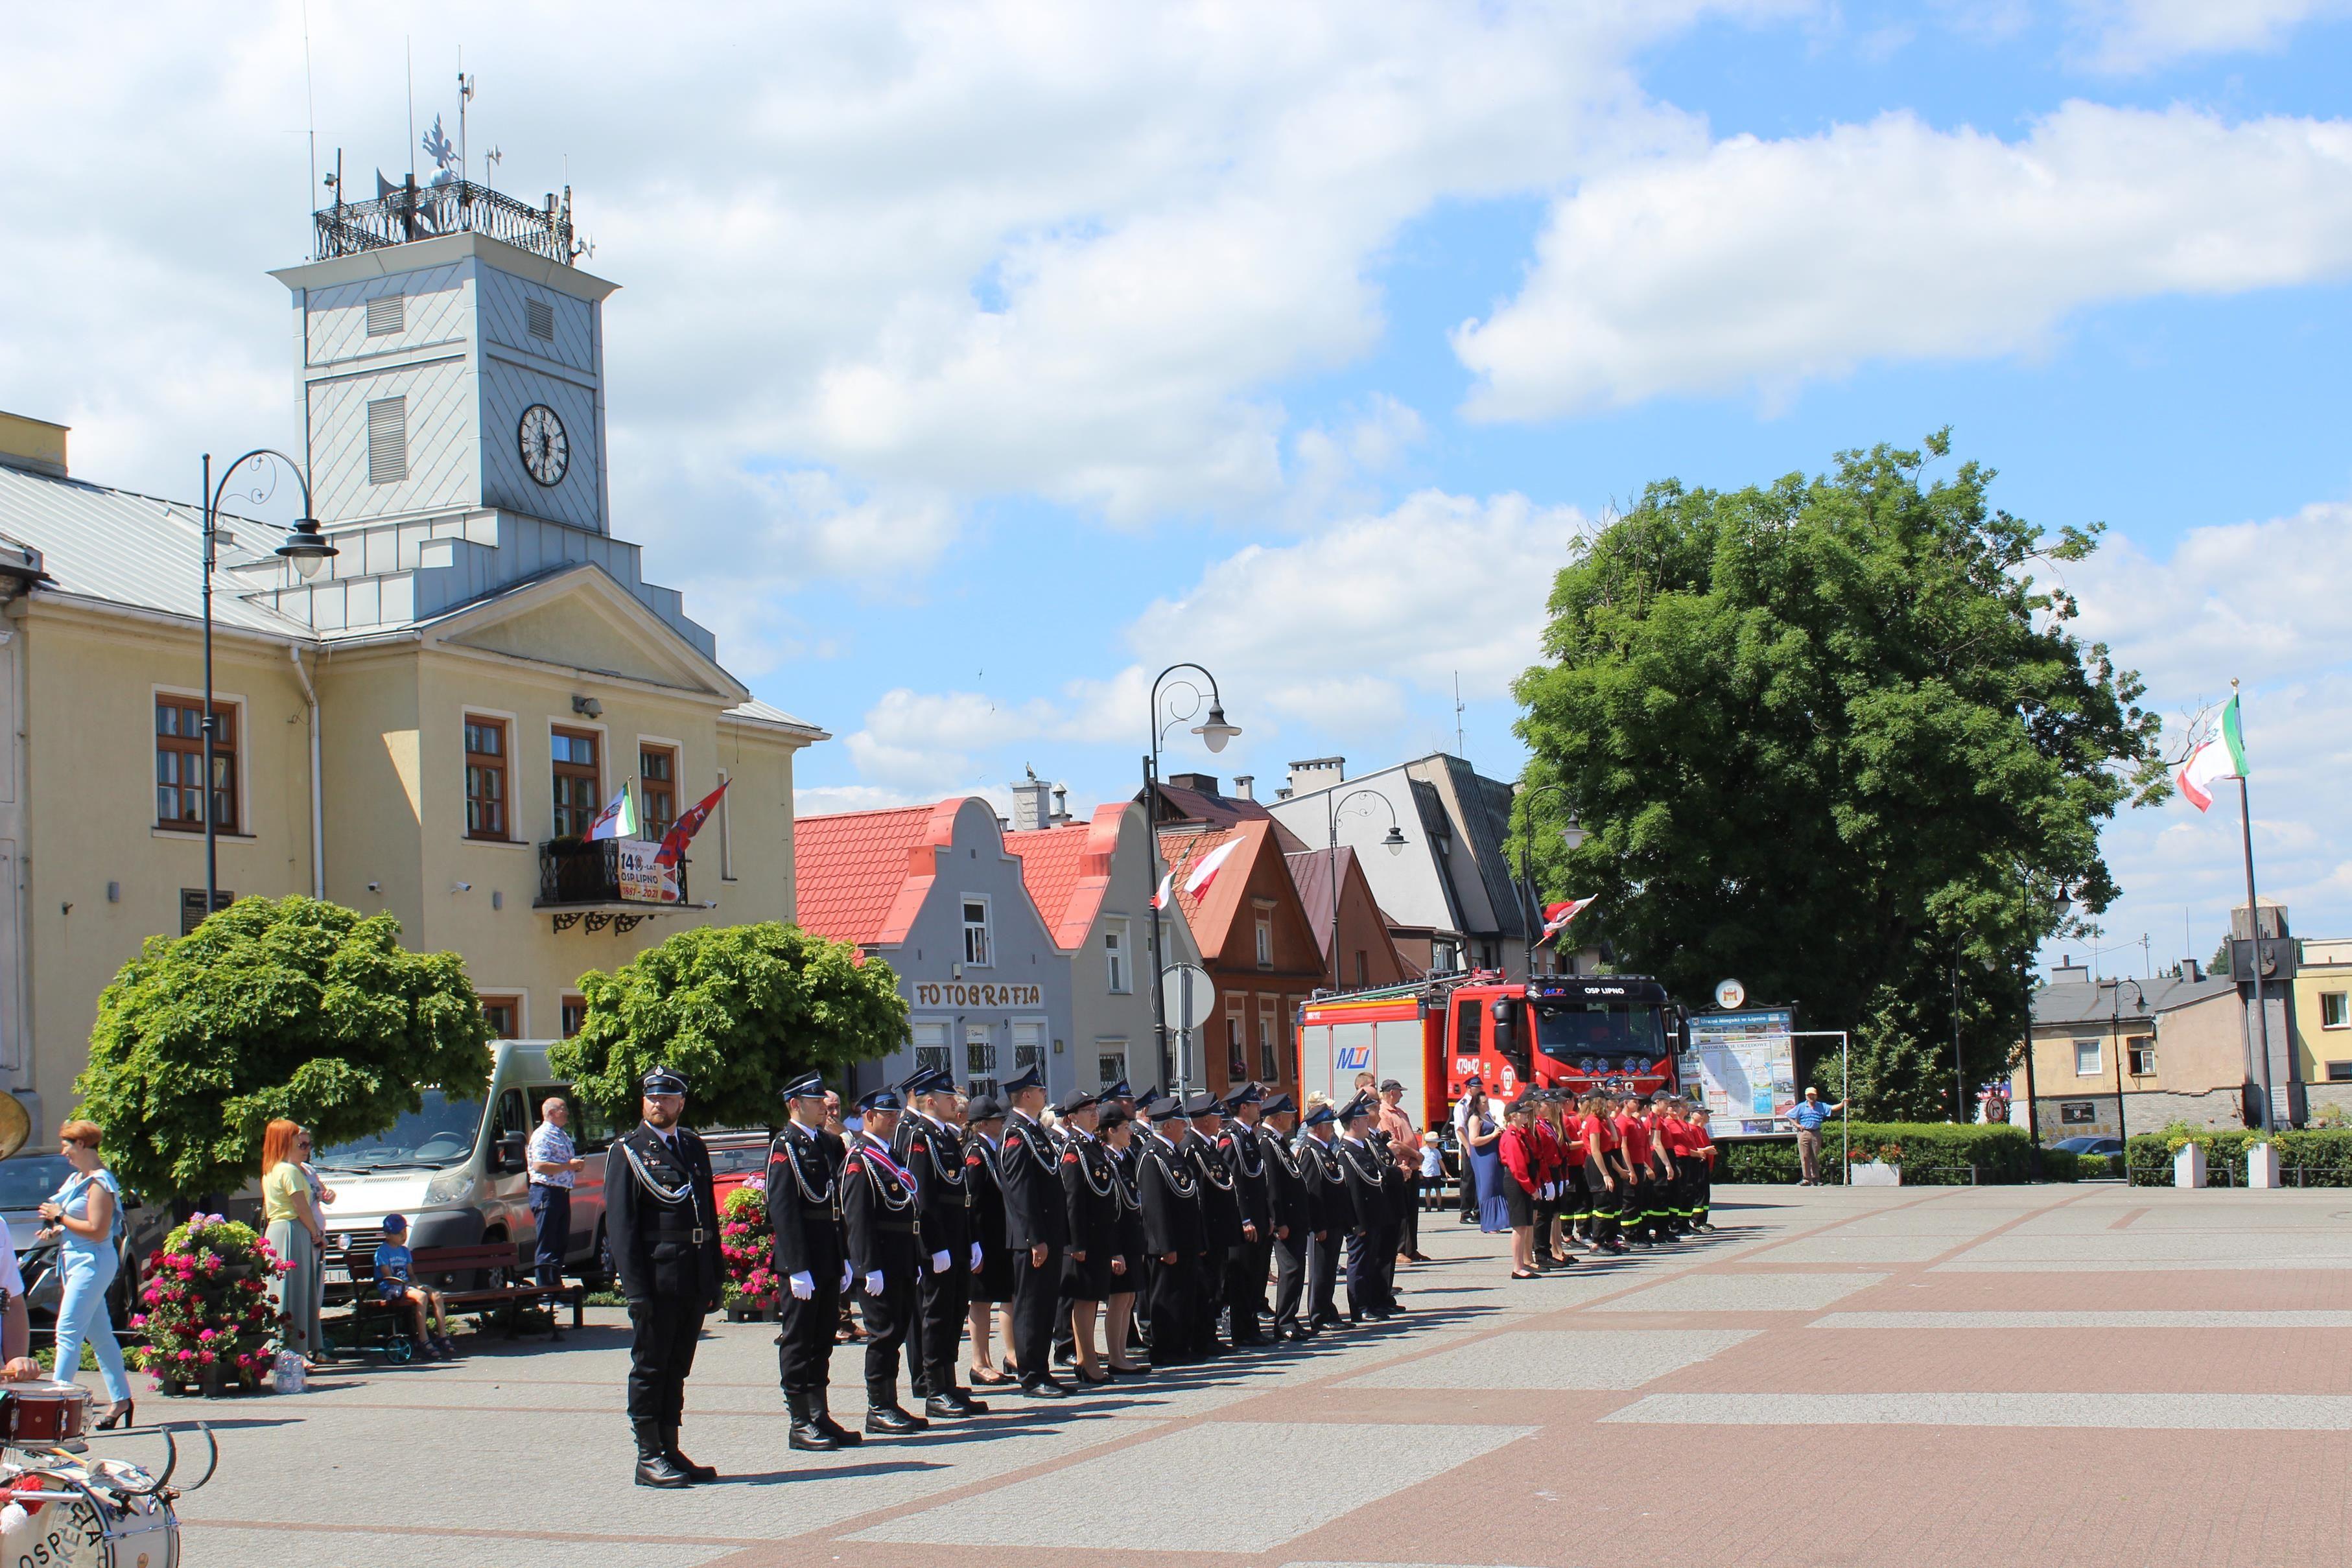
(972, 363)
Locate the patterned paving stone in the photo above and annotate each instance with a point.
(1589, 1358)
(1743, 1293)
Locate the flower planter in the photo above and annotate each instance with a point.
(751, 1309)
(2189, 1165)
(2263, 1164)
(1874, 1173)
(200, 1307)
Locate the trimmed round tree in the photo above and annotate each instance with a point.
(273, 1007)
(741, 1010)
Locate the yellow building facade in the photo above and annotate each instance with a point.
(424, 728)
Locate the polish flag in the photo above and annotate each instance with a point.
(1197, 885)
(1558, 916)
(1160, 899)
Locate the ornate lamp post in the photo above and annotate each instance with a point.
(2060, 903)
(1215, 732)
(1572, 835)
(1335, 806)
(308, 549)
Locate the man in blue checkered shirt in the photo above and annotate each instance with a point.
(553, 1168)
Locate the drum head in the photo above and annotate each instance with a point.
(15, 1125)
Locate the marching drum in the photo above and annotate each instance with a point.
(37, 1414)
(101, 1517)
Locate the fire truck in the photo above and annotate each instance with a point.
(1619, 1032)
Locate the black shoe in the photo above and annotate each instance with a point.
(939, 1407)
(653, 1467)
(888, 1420)
(831, 1427)
(1044, 1388)
(672, 1452)
(807, 1435)
(1067, 1355)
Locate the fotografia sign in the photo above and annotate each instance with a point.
(1744, 1065)
(960, 993)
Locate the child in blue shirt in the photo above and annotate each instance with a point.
(393, 1265)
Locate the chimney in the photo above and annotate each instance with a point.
(2069, 973)
(32, 443)
(1204, 783)
(1245, 786)
(1029, 802)
(1061, 805)
(2190, 969)
(1282, 793)
(1318, 773)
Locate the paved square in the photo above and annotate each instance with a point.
(1743, 1293)
(1583, 1358)
(1224, 1466)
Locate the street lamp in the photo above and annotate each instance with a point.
(2115, 1042)
(1214, 731)
(308, 549)
(1334, 805)
(2061, 901)
(1573, 836)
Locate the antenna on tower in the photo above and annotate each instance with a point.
(1460, 749)
(465, 97)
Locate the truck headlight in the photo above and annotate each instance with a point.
(449, 1187)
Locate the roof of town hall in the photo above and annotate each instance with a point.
(1067, 871)
(861, 876)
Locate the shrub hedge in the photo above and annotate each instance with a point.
(2314, 1156)
(1934, 1154)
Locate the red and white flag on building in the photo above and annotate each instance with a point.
(1197, 885)
(681, 833)
(1558, 916)
(1160, 899)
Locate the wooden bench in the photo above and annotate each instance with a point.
(492, 1260)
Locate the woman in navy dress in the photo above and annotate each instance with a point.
(1483, 1157)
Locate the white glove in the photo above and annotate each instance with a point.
(802, 1286)
(939, 1261)
(847, 1274)
(975, 1257)
(874, 1281)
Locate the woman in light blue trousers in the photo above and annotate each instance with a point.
(86, 1215)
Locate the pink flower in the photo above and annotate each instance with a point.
(205, 1357)
(187, 1356)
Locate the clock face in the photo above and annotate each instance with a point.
(546, 450)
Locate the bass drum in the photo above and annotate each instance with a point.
(87, 1527)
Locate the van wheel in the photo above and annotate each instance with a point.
(596, 1274)
(496, 1278)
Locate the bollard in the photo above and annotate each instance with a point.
(2189, 1165)
(2261, 1165)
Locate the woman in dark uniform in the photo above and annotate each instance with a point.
(991, 1285)
(1117, 1131)
(1090, 1199)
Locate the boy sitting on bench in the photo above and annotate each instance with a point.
(394, 1264)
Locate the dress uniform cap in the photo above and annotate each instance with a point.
(1114, 1116)
(882, 1099)
(984, 1108)
(1147, 1099)
(1165, 1110)
(1077, 1099)
(1320, 1114)
(1355, 1110)
(1278, 1105)
(1247, 1094)
(808, 1086)
(1118, 1091)
(664, 1080)
(1030, 1079)
(1202, 1105)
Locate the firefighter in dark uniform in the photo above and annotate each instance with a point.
(663, 1227)
(1330, 1214)
(1067, 1133)
(1037, 1228)
(1362, 1176)
(1093, 1267)
(1221, 1211)
(1237, 1146)
(1396, 1202)
(886, 1247)
(1286, 1202)
(929, 1148)
(1175, 1236)
(804, 1219)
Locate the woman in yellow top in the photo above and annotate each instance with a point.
(295, 1234)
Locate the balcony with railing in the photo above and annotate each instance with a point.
(607, 881)
(408, 211)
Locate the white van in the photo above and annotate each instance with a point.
(455, 1169)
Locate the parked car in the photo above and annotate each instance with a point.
(2085, 1144)
(455, 1168)
(29, 1181)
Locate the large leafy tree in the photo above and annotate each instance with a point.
(740, 1010)
(285, 1006)
(1835, 737)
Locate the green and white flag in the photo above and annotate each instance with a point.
(617, 820)
(2224, 756)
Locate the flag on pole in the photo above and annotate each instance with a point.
(681, 833)
(1558, 916)
(1197, 885)
(1160, 899)
(2224, 756)
(618, 819)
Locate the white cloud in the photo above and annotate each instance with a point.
(2131, 35)
(1762, 265)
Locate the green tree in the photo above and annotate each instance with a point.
(1833, 737)
(741, 1010)
(273, 1007)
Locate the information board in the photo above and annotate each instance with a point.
(643, 880)
(1743, 1066)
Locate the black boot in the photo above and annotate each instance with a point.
(653, 1467)
(883, 1417)
(671, 1452)
(807, 1435)
(828, 1426)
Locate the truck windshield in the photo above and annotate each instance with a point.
(441, 1132)
(1600, 1038)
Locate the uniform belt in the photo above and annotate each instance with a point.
(897, 1227)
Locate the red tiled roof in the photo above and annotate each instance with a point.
(1067, 869)
(1212, 917)
(861, 875)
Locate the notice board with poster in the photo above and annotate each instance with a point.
(1743, 1067)
(642, 879)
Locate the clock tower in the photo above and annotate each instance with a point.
(454, 373)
